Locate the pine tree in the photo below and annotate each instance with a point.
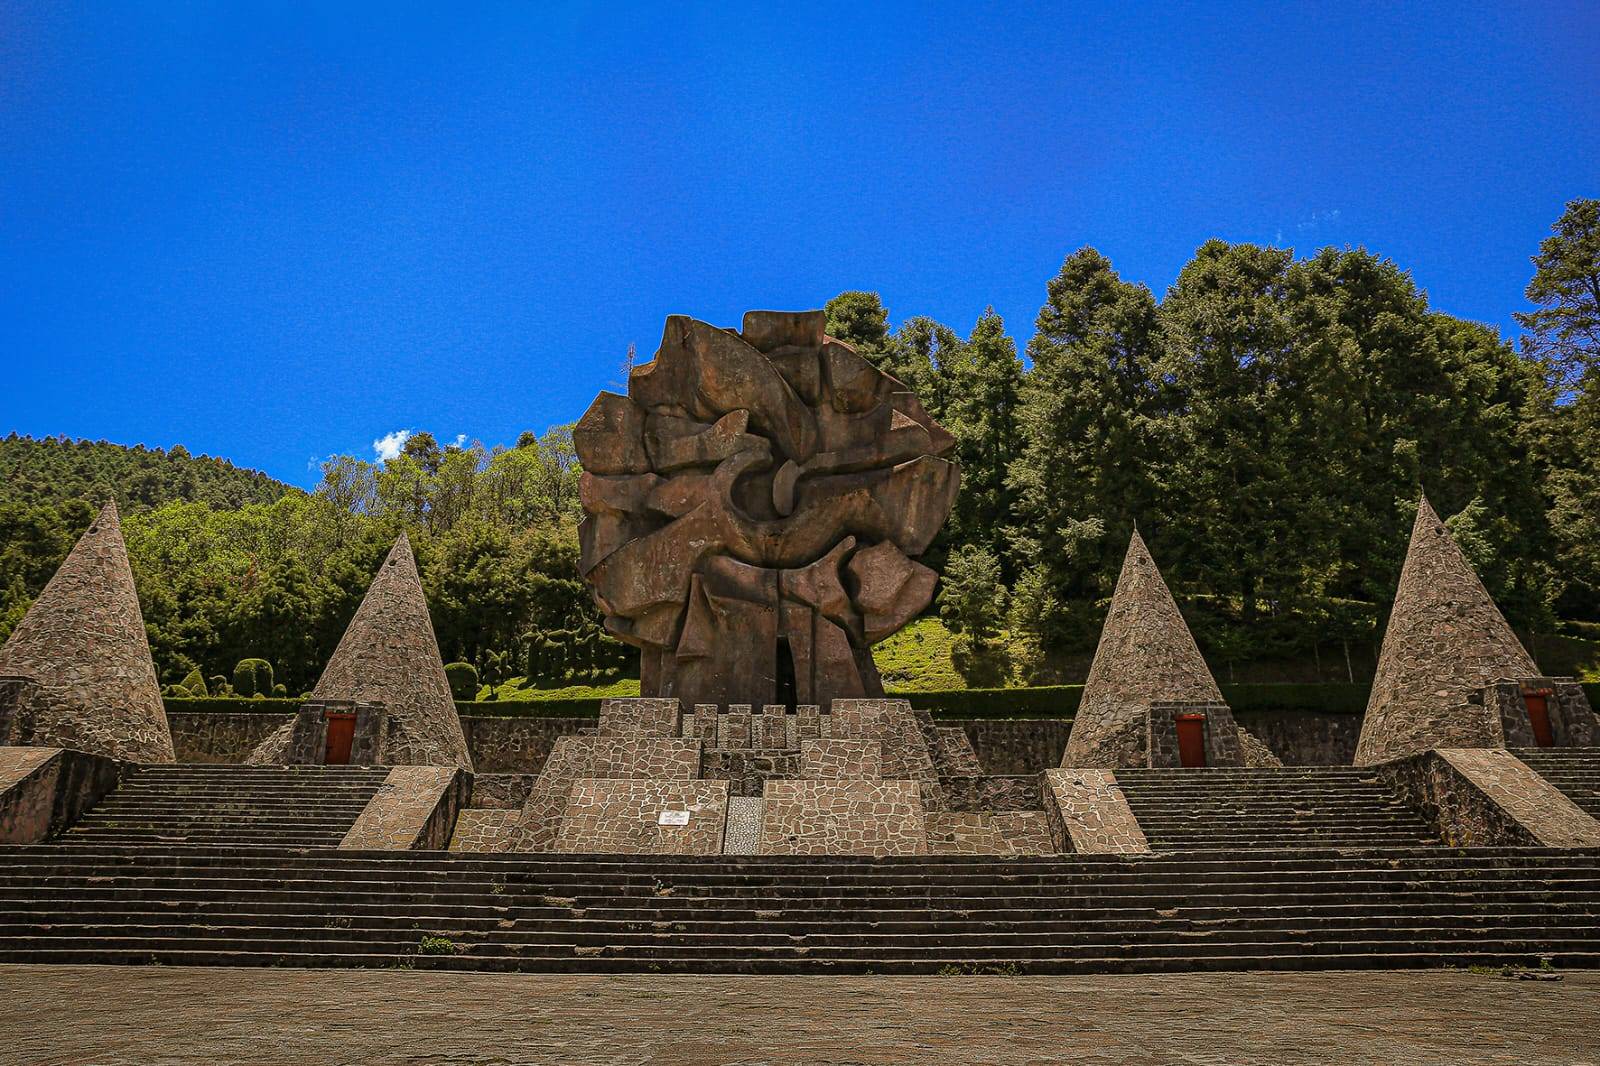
(1079, 473)
(980, 411)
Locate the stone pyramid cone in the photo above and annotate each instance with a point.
(389, 654)
(1146, 655)
(83, 645)
(1445, 639)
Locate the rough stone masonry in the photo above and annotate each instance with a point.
(79, 661)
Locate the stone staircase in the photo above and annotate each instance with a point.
(199, 804)
(106, 903)
(1575, 771)
(1292, 807)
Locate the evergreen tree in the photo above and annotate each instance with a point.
(1564, 330)
(985, 379)
(972, 603)
(1079, 477)
(859, 319)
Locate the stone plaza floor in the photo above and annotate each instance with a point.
(111, 1015)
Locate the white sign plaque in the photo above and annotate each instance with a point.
(673, 818)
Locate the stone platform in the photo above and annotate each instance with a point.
(181, 1016)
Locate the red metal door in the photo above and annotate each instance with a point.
(1191, 739)
(341, 731)
(1539, 718)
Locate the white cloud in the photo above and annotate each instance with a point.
(1318, 218)
(389, 445)
(461, 440)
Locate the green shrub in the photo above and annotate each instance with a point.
(280, 691)
(219, 685)
(195, 684)
(463, 679)
(436, 945)
(252, 677)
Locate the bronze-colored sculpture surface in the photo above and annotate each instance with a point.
(754, 508)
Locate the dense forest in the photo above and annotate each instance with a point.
(1268, 423)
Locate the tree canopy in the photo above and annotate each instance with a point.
(1268, 424)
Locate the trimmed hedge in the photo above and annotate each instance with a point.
(586, 707)
(1045, 701)
(232, 705)
(1325, 698)
(253, 677)
(463, 678)
(1053, 701)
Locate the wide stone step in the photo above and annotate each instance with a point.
(1421, 957)
(830, 869)
(1221, 939)
(204, 821)
(242, 906)
(1018, 907)
(1403, 942)
(759, 915)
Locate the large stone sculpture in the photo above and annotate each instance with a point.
(77, 672)
(754, 508)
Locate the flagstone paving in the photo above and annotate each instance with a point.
(162, 1015)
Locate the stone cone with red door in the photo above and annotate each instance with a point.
(389, 655)
(1146, 656)
(1445, 640)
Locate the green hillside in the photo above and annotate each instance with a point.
(54, 470)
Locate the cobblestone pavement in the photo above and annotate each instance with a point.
(110, 1015)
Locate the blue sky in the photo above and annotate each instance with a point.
(272, 232)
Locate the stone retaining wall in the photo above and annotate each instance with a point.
(1004, 745)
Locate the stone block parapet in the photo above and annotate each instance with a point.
(1487, 797)
(576, 757)
(997, 833)
(843, 818)
(634, 817)
(44, 790)
(1089, 814)
(501, 791)
(639, 716)
(414, 809)
(840, 758)
(490, 831)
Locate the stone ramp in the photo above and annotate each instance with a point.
(1575, 771)
(1292, 807)
(204, 804)
(1089, 914)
